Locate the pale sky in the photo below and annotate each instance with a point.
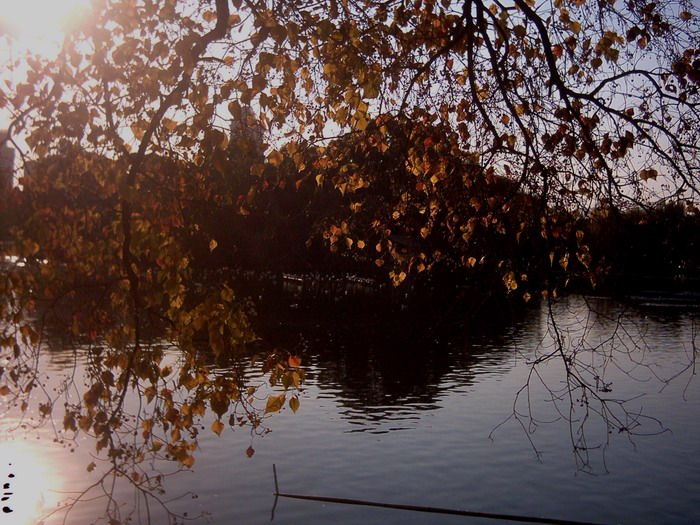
(37, 26)
(35, 20)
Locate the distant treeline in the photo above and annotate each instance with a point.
(365, 215)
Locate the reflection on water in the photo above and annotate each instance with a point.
(383, 372)
(30, 482)
(488, 418)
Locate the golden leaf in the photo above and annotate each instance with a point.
(564, 260)
(275, 158)
(209, 16)
(217, 427)
(169, 124)
(510, 281)
(275, 403)
(257, 170)
(294, 404)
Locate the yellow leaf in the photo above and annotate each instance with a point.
(564, 260)
(217, 427)
(294, 404)
(275, 403)
(212, 245)
(294, 361)
(257, 170)
(510, 281)
(361, 122)
(187, 461)
(227, 294)
(275, 158)
(360, 244)
(169, 124)
(585, 258)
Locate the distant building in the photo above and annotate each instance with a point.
(247, 130)
(7, 167)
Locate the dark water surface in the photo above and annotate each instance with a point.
(400, 414)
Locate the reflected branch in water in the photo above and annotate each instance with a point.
(143, 407)
(579, 360)
(692, 355)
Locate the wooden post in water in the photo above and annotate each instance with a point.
(419, 508)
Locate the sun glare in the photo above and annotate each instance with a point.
(28, 484)
(28, 20)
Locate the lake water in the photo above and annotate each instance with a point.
(462, 417)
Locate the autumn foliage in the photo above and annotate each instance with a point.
(404, 137)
